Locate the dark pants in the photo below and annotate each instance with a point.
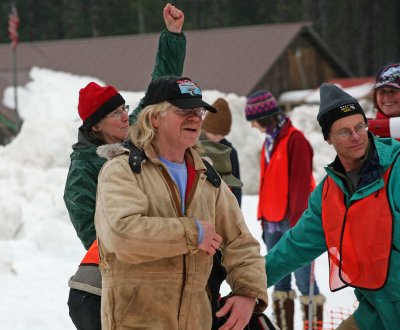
(217, 276)
(84, 310)
(302, 275)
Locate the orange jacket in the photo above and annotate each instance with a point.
(92, 255)
(274, 184)
(358, 248)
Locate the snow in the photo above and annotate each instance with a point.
(39, 249)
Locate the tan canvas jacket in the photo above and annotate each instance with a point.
(154, 277)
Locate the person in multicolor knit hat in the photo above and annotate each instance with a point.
(387, 102)
(286, 181)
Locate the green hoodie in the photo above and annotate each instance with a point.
(378, 309)
(81, 184)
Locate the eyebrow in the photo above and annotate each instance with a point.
(349, 128)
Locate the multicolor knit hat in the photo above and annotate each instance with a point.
(261, 104)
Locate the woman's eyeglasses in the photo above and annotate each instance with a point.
(118, 113)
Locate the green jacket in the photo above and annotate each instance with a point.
(378, 309)
(81, 184)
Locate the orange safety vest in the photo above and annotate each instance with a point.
(92, 255)
(359, 238)
(274, 185)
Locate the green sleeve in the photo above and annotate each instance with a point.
(80, 198)
(300, 245)
(169, 60)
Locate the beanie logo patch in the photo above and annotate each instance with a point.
(187, 86)
(347, 107)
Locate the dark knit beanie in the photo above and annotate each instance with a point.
(95, 102)
(335, 104)
(261, 104)
(219, 122)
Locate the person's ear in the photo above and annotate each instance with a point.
(96, 129)
(155, 120)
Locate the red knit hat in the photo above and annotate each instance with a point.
(95, 102)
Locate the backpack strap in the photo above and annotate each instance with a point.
(212, 175)
(136, 156)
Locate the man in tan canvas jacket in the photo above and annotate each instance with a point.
(161, 214)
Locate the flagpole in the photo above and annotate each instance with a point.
(13, 23)
(15, 82)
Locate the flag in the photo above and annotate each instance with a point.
(13, 23)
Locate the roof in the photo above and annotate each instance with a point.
(228, 59)
(360, 88)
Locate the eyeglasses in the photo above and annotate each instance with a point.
(200, 112)
(345, 133)
(118, 113)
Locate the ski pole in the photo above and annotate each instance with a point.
(311, 297)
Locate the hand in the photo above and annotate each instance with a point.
(211, 240)
(241, 309)
(173, 18)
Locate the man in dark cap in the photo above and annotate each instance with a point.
(353, 214)
(161, 214)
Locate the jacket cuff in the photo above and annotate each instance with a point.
(261, 298)
(179, 35)
(191, 231)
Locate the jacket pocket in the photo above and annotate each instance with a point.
(117, 302)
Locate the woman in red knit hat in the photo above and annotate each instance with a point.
(105, 120)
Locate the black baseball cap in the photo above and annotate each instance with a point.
(182, 92)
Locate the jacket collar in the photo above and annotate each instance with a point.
(371, 169)
(191, 156)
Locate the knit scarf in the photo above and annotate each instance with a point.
(271, 134)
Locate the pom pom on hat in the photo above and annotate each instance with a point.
(261, 104)
(220, 122)
(95, 102)
(335, 103)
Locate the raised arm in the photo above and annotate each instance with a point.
(173, 18)
(171, 46)
(171, 51)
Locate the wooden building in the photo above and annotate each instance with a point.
(277, 57)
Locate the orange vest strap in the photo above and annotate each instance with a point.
(358, 248)
(92, 255)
